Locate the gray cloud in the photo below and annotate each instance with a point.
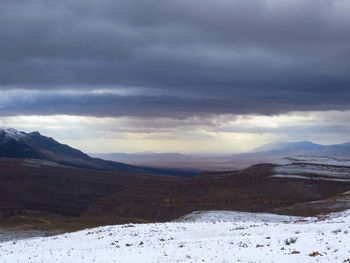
(185, 57)
(112, 104)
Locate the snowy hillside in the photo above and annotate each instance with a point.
(322, 160)
(315, 168)
(308, 240)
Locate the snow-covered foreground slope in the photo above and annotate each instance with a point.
(309, 240)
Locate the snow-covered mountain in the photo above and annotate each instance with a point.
(33, 145)
(17, 144)
(226, 240)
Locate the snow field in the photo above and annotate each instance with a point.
(308, 240)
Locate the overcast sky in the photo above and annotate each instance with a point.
(176, 75)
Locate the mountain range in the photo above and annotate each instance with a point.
(33, 145)
(274, 151)
(305, 147)
(224, 162)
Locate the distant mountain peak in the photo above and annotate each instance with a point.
(278, 146)
(36, 133)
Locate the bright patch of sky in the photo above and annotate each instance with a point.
(216, 133)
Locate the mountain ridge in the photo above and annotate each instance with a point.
(287, 145)
(33, 145)
(302, 147)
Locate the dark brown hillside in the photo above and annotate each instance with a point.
(251, 189)
(28, 184)
(89, 197)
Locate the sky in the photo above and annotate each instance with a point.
(176, 75)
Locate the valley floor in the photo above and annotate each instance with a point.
(208, 237)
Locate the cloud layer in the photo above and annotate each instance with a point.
(173, 58)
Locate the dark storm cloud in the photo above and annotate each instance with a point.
(112, 105)
(195, 57)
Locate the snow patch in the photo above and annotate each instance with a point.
(233, 216)
(293, 176)
(13, 134)
(322, 160)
